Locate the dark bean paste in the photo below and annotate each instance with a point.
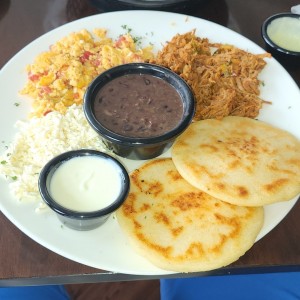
(138, 105)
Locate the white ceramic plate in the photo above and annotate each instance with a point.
(106, 247)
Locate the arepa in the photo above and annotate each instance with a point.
(179, 228)
(239, 160)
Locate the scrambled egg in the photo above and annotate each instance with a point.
(59, 77)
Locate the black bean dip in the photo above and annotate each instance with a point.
(138, 105)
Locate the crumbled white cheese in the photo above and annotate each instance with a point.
(38, 141)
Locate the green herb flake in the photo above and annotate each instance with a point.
(14, 177)
(125, 27)
(17, 104)
(3, 162)
(137, 40)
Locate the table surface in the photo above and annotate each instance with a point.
(25, 262)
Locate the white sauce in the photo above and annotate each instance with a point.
(285, 32)
(86, 183)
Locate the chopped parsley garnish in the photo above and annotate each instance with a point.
(137, 39)
(125, 27)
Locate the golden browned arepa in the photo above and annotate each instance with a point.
(179, 228)
(240, 160)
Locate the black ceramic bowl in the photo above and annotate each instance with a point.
(72, 218)
(139, 147)
(165, 5)
(281, 50)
